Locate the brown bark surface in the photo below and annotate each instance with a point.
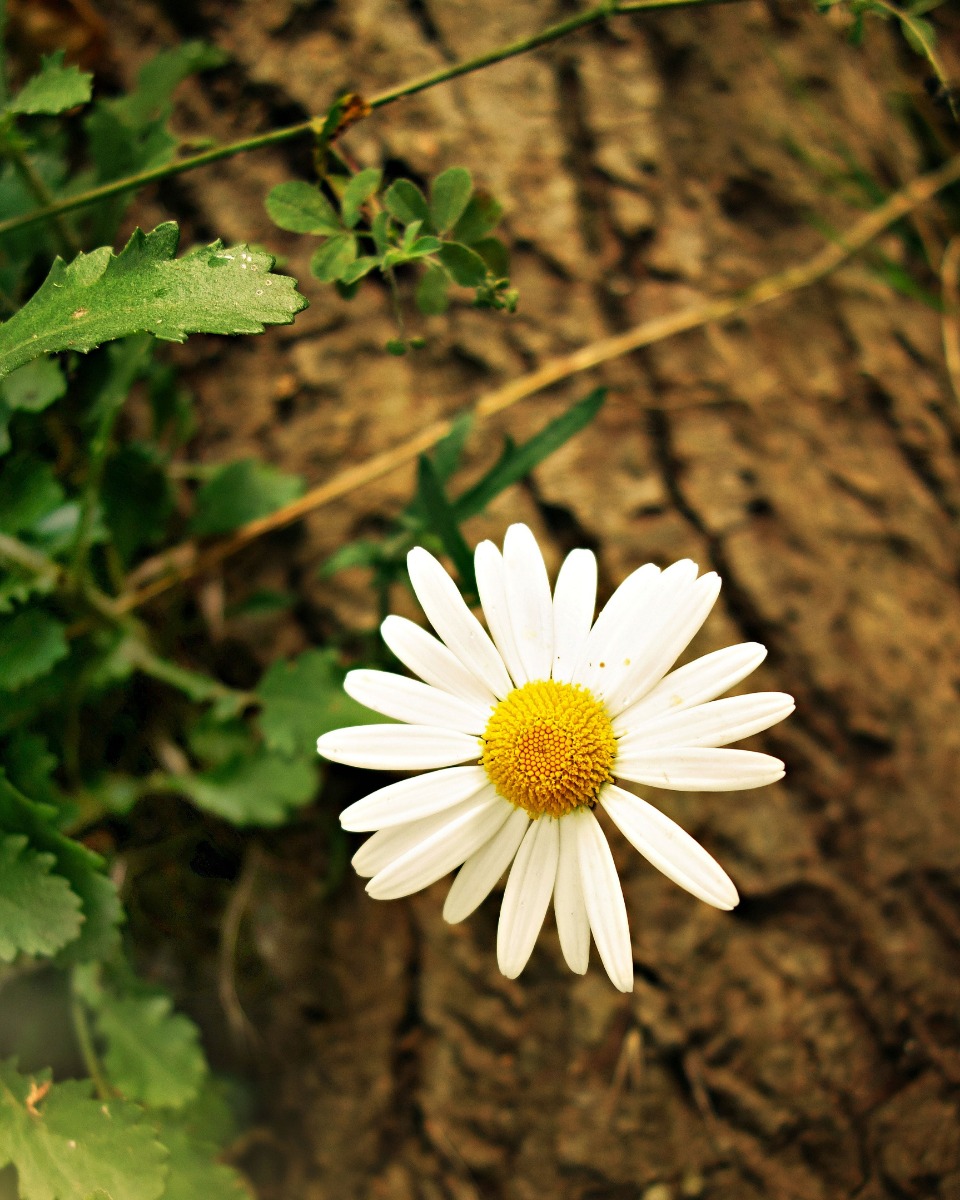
(804, 1047)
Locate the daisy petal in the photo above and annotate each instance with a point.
(431, 660)
(624, 611)
(444, 850)
(714, 724)
(530, 605)
(699, 681)
(682, 611)
(454, 622)
(574, 601)
(603, 898)
(573, 925)
(418, 703)
(479, 875)
(410, 799)
(669, 848)
(387, 845)
(491, 587)
(398, 747)
(527, 895)
(679, 769)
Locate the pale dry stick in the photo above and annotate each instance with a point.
(950, 291)
(188, 560)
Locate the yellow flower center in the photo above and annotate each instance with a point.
(549, 747)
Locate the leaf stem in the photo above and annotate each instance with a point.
(14, 149)
(275, 136)
(84, 1035)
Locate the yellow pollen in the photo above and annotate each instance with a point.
(549, 747)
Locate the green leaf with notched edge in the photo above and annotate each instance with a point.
(78, 865)
(302, 208)
(39, 914)
(29, 491)
(66, 1145)
(102, 296)
(195, 1172)
(31, 644)
(262, 788)
(302, 699)
(54, 89)
(241, 492)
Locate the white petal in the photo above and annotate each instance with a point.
(479, 875)
(527, 895)
(410, 799)
(438, 854)
(491, 587)
(429, 658)
(529, 601)
(699, 681)
(454, 622)
(680, 769)
(573, 925)
(669, 848)
(419, 703)
(682, 606)
(624, 611)
(574, 601)
(714, 724)
(603, 897)
(398, 747)
(387, 845)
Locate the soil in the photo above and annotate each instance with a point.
(806, 1046)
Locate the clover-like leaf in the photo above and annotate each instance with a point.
(449, 196)
(302, 208)
(101, 296)
(39, 914)
(357, 192)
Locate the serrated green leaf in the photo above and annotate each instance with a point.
(39, 914)
(72, 1146)
(28, 493)
(240, 492)
(482, 214)
(257, 789)
(215, 741)
(442, 520)
(431, 295)
(31, 643)
(101, 296)
(304, 698)
(406, 202)
(302, 208)
(153, 1054)
(29, 765)
(33, 387)
(518, 461)
(465, 265)
(54, 89)
(449, 195)
(78, 865)
(195, 1172)
(331, 260)
(358, 191)
(136, 498)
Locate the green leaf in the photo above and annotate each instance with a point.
(215, 741)
(442, 520)
(495, 254)
(54, 89)
(331, 260)
(465, 265)
(240, 492)
(30, 766)
(39, 914)
(406, 202)
(423, 246)
(358, 191)
(72, 1146)
(304, 698)
(34, 387)
(194, 1171)
(379, 230)
(136, 498)
(31, 643)
(158, 79)
(258, 789)
(28, 493)
(302, 208)
(518, 461)
(78, 865)
(431, 295)
(449, 196)
(482, 214)
(358, 268)
(101, 296)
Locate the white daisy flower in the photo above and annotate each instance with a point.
(523, 732)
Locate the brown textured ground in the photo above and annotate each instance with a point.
(805, 1047)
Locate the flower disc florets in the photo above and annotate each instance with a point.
(549, 747)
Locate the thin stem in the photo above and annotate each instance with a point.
(84, 1034)
(12, 147)
(131, 182)
(99, 445)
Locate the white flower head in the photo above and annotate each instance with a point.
(522, 733)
